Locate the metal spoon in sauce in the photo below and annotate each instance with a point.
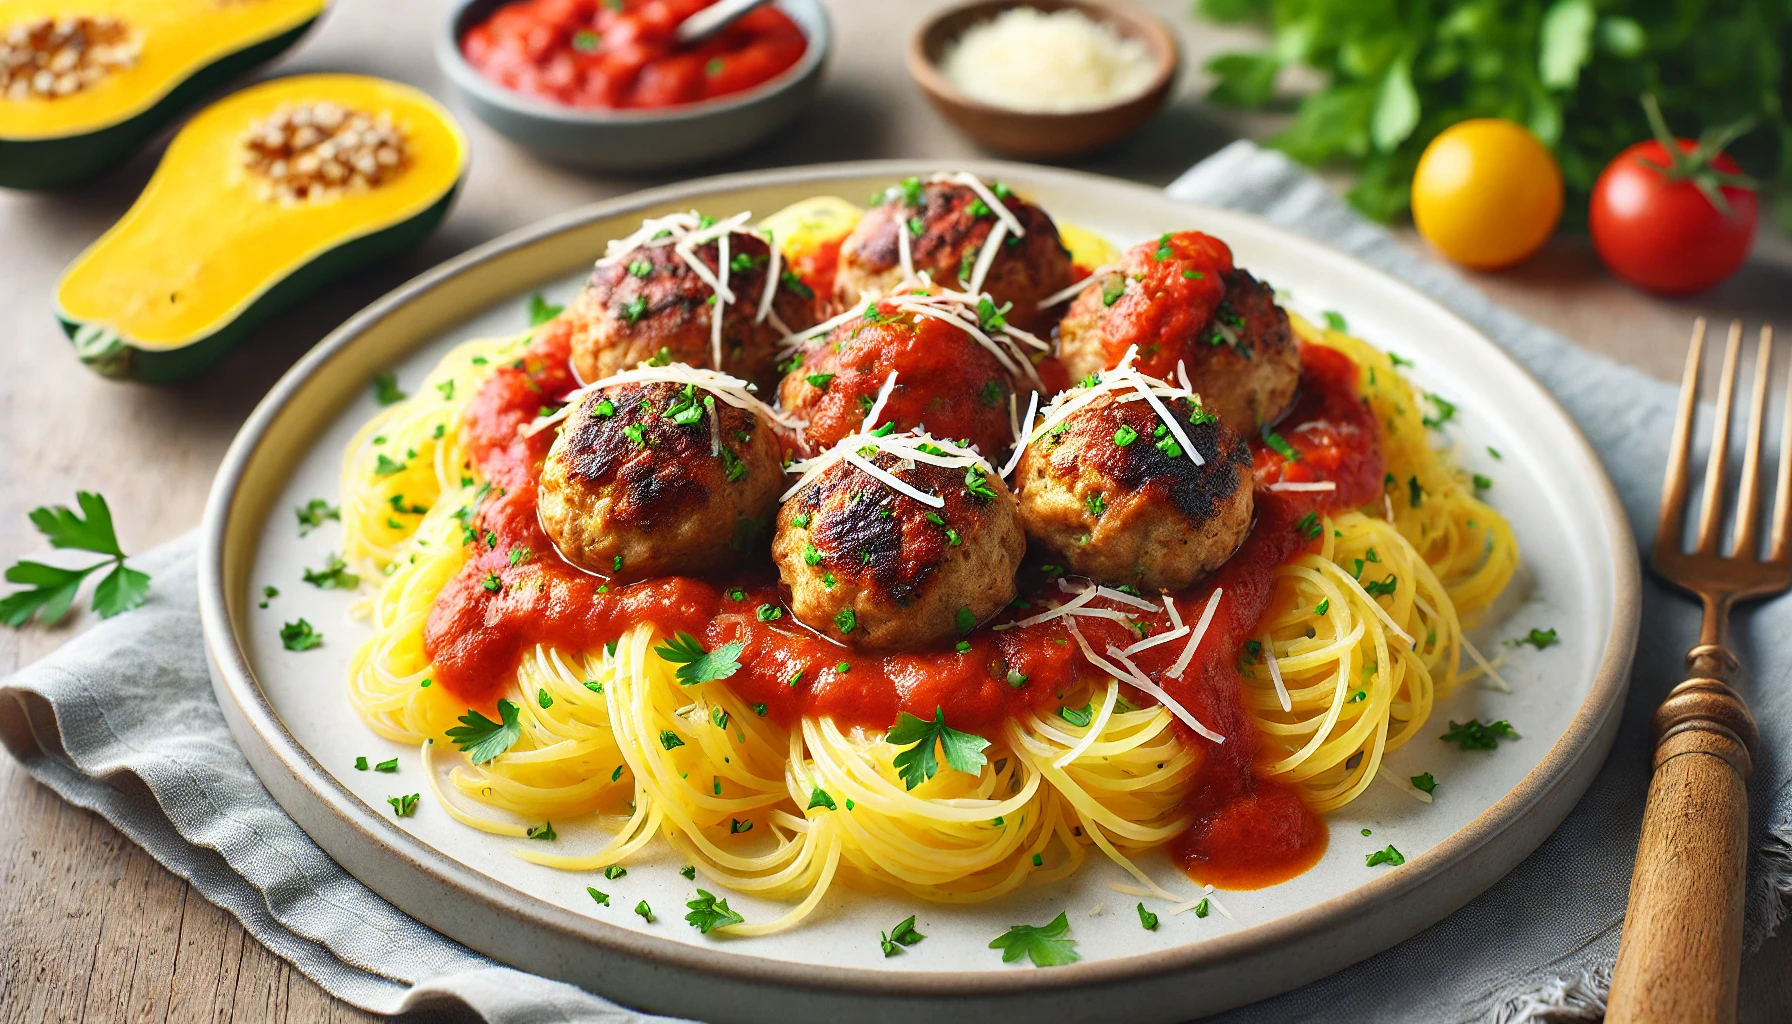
(705, 24)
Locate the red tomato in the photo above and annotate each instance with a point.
(1659, 231)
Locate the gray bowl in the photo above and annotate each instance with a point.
(637, 140)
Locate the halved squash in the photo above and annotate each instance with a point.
(260, 199)
(114, 71)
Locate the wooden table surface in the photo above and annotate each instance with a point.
(91, 927)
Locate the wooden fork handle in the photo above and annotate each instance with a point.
(1682, 943)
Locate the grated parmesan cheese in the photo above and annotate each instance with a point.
(1027, 59)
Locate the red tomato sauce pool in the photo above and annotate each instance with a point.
(622, 53)
(1248, 832)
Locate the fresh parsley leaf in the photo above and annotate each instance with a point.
(903, 934)
(615, 871)
(87, 530)
(688, 871)
(387, 766)
(333, 576)
(483, 739)
(313, 513)
(1201, 907)
(300, 636)
(1538, 638)
(1045, 945)
(697, 665)
(708, 912)
(1080, 717)
(1476, 735)
(545, 830)
(819, 797)
(1426, 783)
(1147, 920)
(1444, 412)
(1389, 856)
(645, 911)
(917, 764)
(52, 589)
(385, 389)
(601, 897)
(404, 806)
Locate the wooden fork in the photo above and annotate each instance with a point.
(1682, 943)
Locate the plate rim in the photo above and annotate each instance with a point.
(1589, 732)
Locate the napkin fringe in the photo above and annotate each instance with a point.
(1560, 1000)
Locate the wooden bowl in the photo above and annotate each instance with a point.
(1043, 134)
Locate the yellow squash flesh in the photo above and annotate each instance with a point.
(203, 246)
(179, 37)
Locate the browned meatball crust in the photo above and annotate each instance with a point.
(946, 382)
(1111, 492)
(954, 222)
(1179, 299)
(877, 569)
(631, 490)
(651, 305)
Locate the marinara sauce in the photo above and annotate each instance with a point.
(622, 53)
(1248, 831)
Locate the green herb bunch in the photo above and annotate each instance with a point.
(1398, 72)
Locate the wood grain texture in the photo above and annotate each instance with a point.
(91, 927)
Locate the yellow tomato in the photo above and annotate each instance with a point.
(1486, 193)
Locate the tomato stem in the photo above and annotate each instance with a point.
(1696, 166)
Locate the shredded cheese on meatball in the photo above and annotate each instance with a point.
(906, 446)
(733, 390)
(1123, 377)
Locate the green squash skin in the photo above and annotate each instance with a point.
(111, 356)
(72, 159)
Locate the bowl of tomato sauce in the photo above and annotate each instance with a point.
(605, 84)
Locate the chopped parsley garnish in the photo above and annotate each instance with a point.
(688, 871)
(51, 589)
(768, 613)
(645, 911)
(918, 763)
(1414, 493)
(965, 620)
(1495, 452)
(1201, 908)
(795, 284)
(544, 698)
(1324, 605)
(1309, 527)
(1335, 320)
(404, 806)
(1445, 412)
(979, 208)
(640, 268)
(635, 433)
(540, 310)
(669, 739)
(492, 582)
(1169, 447)
(697, 665)
(360, 764)
(801, 519)
(846, 620)
(604, 408)
(544, 831)
(977, 483)
(1164, 251)
(812, 555)
(386, 466)
(1383, 587)
(819, 797)
(333, 576)
(1389, 856)
(1481, 482)
(313, 513)
(482, 739)
(1096, 503)
(760, 710)
(1017, 678)
(1538, 638)
(1079, 717)
(1045, 945)
(733, 468)
(718, 717)
(736, 826)
(634, 308)
(1399, 360)
(991, 395)
(601, 897)
(952, 538)
(1426, 783)
(962, 647)
(1125, 435)
(1147, 920)
(615, 871)
(299, 636)
(819, 380)
(1111, 290)
(1278, 444)
(989, 317)
(389, 767)
(707, 912)
(385, 389)
(1476, 735)
(903, 934)
(1193, 275)
(584, 41)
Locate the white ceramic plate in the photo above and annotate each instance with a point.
(289, 712)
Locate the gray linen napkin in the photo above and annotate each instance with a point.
(122, 721)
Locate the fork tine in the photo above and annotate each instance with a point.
(1711, 509)
(1673, 482)
(1748, 512)
(1782, 499)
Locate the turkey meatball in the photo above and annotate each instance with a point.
(1112, 493)
(1179, 299)
(630, 488)
(868, 565)
(649, 305)
(946, 381)
(953, 222)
